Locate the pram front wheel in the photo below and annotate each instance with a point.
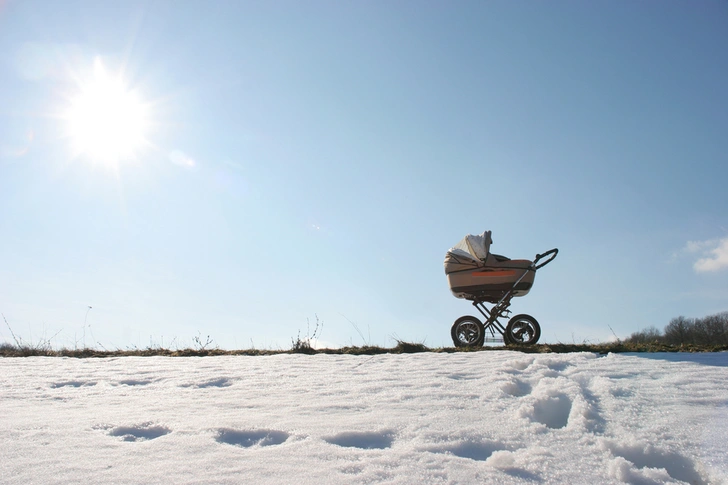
(468, 331)
(522, 330)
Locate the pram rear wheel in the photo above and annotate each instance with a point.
(522, 330)
(468, 332)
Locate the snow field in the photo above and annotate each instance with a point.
(482, 417)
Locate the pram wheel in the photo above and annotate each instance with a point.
(467, 331)
(522, 330)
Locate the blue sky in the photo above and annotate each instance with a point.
(317, 159)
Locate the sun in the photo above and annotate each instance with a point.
(106, 121)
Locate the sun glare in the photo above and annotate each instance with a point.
(106, 121)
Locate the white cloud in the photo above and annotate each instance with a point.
(714, 254)
(699, 246)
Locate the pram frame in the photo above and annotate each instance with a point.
(462, 331)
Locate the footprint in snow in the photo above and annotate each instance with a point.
(553, 411)
(134, 382)
(472, 449)
(517, 388)
(520, 365)
(248, 438)
(632, 460)
(365, 440)
(220, 382)
(559, 366)
(72, 384)
(461, 376)
(140, 432)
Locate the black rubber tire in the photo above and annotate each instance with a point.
(506, 339)
(522, 330)
(467, 331)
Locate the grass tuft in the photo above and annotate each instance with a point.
(403, 347)
(304, 345)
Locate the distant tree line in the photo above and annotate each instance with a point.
(710, 330)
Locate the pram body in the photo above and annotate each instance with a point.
(475, 274)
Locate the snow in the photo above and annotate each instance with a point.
(478, 417)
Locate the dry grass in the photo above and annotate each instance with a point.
(9, 350)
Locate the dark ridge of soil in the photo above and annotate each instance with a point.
(7, 350)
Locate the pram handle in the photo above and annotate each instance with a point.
(553, 252)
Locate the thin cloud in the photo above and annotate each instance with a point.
(181, 159)
(713, 254)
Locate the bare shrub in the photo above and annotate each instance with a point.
(303, 345)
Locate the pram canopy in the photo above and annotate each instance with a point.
(472, 252)
(474, 247)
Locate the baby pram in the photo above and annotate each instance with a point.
(477, 275)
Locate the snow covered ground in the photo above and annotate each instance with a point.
(482, 417)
